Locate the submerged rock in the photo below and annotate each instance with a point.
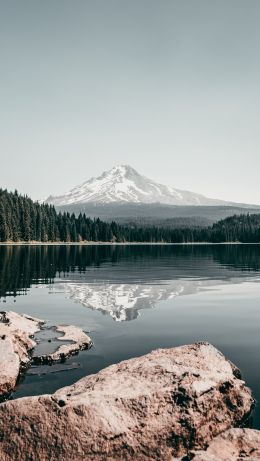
(155, 407)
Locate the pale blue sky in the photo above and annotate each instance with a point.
(169, 87)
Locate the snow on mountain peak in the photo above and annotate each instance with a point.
(123, 184)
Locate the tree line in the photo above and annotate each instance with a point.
(22, 219)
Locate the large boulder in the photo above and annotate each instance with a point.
(232, 445)
(155, 407)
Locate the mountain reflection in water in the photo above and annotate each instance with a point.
(122, 280)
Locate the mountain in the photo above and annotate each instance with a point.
(124, 185)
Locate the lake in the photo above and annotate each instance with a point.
(132, 299)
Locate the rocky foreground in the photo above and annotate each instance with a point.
(17, 343)
(174, 404)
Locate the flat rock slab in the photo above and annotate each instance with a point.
(232, 445)
(78, 341)
(155, 407)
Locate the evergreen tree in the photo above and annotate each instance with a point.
(4, 235)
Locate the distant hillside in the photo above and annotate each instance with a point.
(174, 223)
(154, 213)
(239, 228)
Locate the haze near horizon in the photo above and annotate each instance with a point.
(169, 87)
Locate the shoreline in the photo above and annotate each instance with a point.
(90, 243)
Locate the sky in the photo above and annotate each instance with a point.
(170, 87)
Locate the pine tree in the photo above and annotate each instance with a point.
(4, 231)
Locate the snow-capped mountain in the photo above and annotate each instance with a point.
(122, 184)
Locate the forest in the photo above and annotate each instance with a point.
(23, 220)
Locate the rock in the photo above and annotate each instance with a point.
(9, 366)
(79, 340)
(155, 407)
(16, 342)
(71, 333)
(232, 445)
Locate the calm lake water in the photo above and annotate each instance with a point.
(132, 299)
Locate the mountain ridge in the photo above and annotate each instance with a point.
(124, 185)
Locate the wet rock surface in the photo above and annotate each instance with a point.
(77, 340)
(17, 342)
(164, 405)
